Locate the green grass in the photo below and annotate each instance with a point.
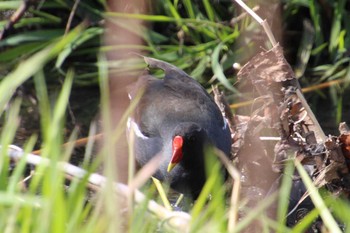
(193, 35)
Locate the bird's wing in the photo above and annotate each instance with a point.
(139, 86)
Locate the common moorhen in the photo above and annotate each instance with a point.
(177, 118)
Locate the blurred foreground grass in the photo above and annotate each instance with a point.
(202, 37)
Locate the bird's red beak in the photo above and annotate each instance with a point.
(177, 152)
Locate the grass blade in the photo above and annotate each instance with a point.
(319, 203)
(284, 194)
(217, 70)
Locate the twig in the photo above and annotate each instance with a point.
(304, 90)
(76, 143)
(15, 17)
(71, 15)
(176, 219)
(320, 136)
(323, 85)
(262, 22)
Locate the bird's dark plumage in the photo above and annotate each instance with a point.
(176, 107)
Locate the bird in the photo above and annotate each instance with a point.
(176, 118)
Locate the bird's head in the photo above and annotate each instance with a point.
(187, 144)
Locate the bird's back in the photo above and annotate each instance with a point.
(167, 102)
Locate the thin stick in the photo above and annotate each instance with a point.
(76, 143)
(15, 17)
(71, 15)
(269, 33)
(250, 11)
(323, 85)
(320, 135)
(304, 90)
(262, 22)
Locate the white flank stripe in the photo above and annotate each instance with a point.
(225, 124)
(133, 126)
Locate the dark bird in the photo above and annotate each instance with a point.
(177, 118)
